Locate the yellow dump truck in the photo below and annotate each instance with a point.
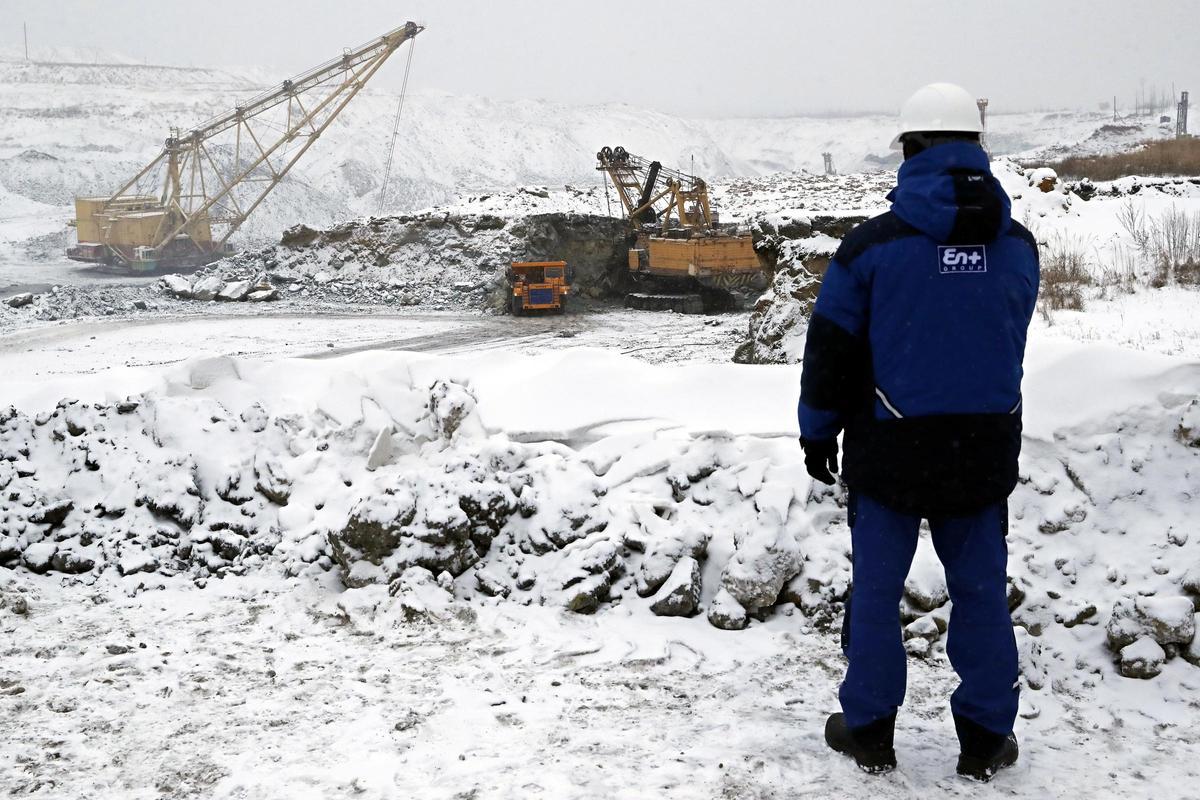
(538, 286)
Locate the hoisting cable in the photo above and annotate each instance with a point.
(387, 172)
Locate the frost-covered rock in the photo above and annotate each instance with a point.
(234, 291)
(1189, 425)
(177, 285)
(37, 557)
(208, 288)
(918, 647)
(1142, 659)
(1170, 619)
(680, 595)
(136, 560)
(765, 560)
(726, 613)
(668, 545)
(780, 317)
(271, 479)
(19, 300)
(925, 627)
(1043, 178)
(71, 562)
(586, 574)
(798, 252)
(1165, 620)
(421, 595)
(925, 586)
(400, 527)
(449, 406)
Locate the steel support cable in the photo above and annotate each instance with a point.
(387, 172)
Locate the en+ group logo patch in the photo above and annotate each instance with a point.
(962, 259)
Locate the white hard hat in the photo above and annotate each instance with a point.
(939, 107)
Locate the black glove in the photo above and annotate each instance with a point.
(821, 458)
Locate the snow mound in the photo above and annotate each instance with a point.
(436, 478)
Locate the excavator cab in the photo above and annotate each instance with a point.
(538, 286)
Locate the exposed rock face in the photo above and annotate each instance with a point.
(596, 248)
(411, 259)
(798, 250)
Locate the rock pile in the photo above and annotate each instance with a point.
(180, 484)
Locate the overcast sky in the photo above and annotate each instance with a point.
(691, 57)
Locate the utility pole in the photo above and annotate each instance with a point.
(1181, 112)
(25, 28)
(983, 104)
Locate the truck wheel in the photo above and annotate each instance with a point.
(517, 306)
(562, 305)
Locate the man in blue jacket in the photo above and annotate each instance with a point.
(915, 353)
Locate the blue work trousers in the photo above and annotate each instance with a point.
(981, 645)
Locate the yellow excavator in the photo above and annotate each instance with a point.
(682, 258)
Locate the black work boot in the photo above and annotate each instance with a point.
(869, 745)
(984, 752)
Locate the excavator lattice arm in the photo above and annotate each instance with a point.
(651, 193)
(211, 178)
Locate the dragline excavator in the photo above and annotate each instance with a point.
(682, 258)
(179, 212)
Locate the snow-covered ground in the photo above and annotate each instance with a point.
(133, 682)
(192, 488)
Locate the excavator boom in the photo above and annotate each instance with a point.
(183, 207)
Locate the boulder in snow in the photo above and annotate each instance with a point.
(925, 586)
(394, 527)
(37, 557)
(664, 551)
(1189, 425)
(207, 288)
(235, 291)
(764, 561)
(1165, 620)
(71, 562)
(726, 613)
(449, 405)
(19, 300)
(1142, 659)
(177, 285)
(680, 595)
